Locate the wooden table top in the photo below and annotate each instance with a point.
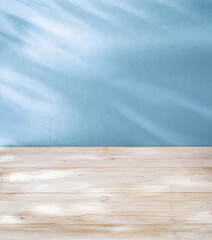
(111, 193)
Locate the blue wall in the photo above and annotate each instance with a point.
(106, 73)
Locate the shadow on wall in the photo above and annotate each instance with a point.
(105, 73)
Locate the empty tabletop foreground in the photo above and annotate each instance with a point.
(111, 193)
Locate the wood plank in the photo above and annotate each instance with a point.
(169, 208)
(110, 180)
(111, 231)
(120, 157)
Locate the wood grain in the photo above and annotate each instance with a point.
(111, 193)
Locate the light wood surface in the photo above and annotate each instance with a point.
(110, 193)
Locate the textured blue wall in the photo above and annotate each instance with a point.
(105, 72)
